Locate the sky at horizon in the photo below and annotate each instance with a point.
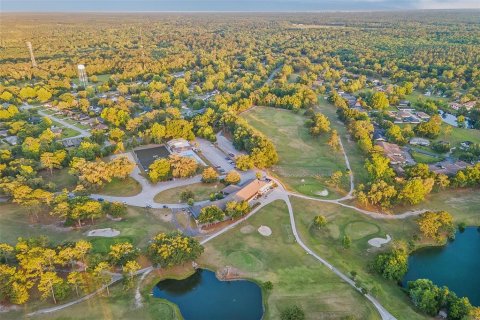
(229, 5)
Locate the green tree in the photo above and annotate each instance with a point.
(293, 312)
(379, 101)
(159, 170)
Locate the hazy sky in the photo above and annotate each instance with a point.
(231, 5)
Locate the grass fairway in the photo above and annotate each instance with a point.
(122, 188)
(328, 244)
(355, 155)
(138, 226)
(201, 191)
(304, 162)
(297, 278)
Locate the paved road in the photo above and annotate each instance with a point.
(282, 194)
(145, 197)
(82, 133)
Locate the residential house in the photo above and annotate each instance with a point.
(420, 142)
(423, 116)
(447, 167)
(11, 140)
(393, 152)
(71, 142)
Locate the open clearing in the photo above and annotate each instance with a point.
(297, 278)
(137, 227)
(201, 191)
(305, 162)
(122, 188)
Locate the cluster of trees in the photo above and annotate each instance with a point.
(261, 151)
(233, 210)
(78, 209)
(174, 166)
(430, 299)
(436, 225)
(385, 190)
(170, 249)
(94, 174)
(33, 265)
(318, 124)
(392, 265)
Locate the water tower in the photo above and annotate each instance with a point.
(82, 76)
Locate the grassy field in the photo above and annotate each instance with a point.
(424, 158)
(355, 155)
(297, 278)
(459, 135)
(119, 305)
(138, 226)
(304, 162)
(201, 191)
(464, 204)
(61, 178)
(360, 228)
(122, 188)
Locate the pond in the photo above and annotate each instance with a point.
(455, 265)
(202, 296)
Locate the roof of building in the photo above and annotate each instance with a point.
(250, 190)
(393, 152)
(421, 141)
(178, 143)
(448, 168)
(230, 189)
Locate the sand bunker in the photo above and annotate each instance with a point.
(247, 229)
(322, 193)
(265, 231)
(107, 232)
(378, 242)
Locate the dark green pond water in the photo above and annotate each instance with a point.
(456, 265)
(203, 297)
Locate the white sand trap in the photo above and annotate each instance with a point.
(378, 242)
(247, 229)
(322, 193)
(265, 231)
(107, 232)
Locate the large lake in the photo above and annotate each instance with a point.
(202, 296)
(456, 265)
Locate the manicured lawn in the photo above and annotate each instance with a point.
(360, 228)
(424, 158)
(61, 178)
(464, 204)
(68, 133)
(138, 226)
(297, 278)
(305, 162)
(355, 155)
(122, 188)
(201, 191)
(459, 135)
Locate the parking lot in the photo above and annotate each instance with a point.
(215, 156)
